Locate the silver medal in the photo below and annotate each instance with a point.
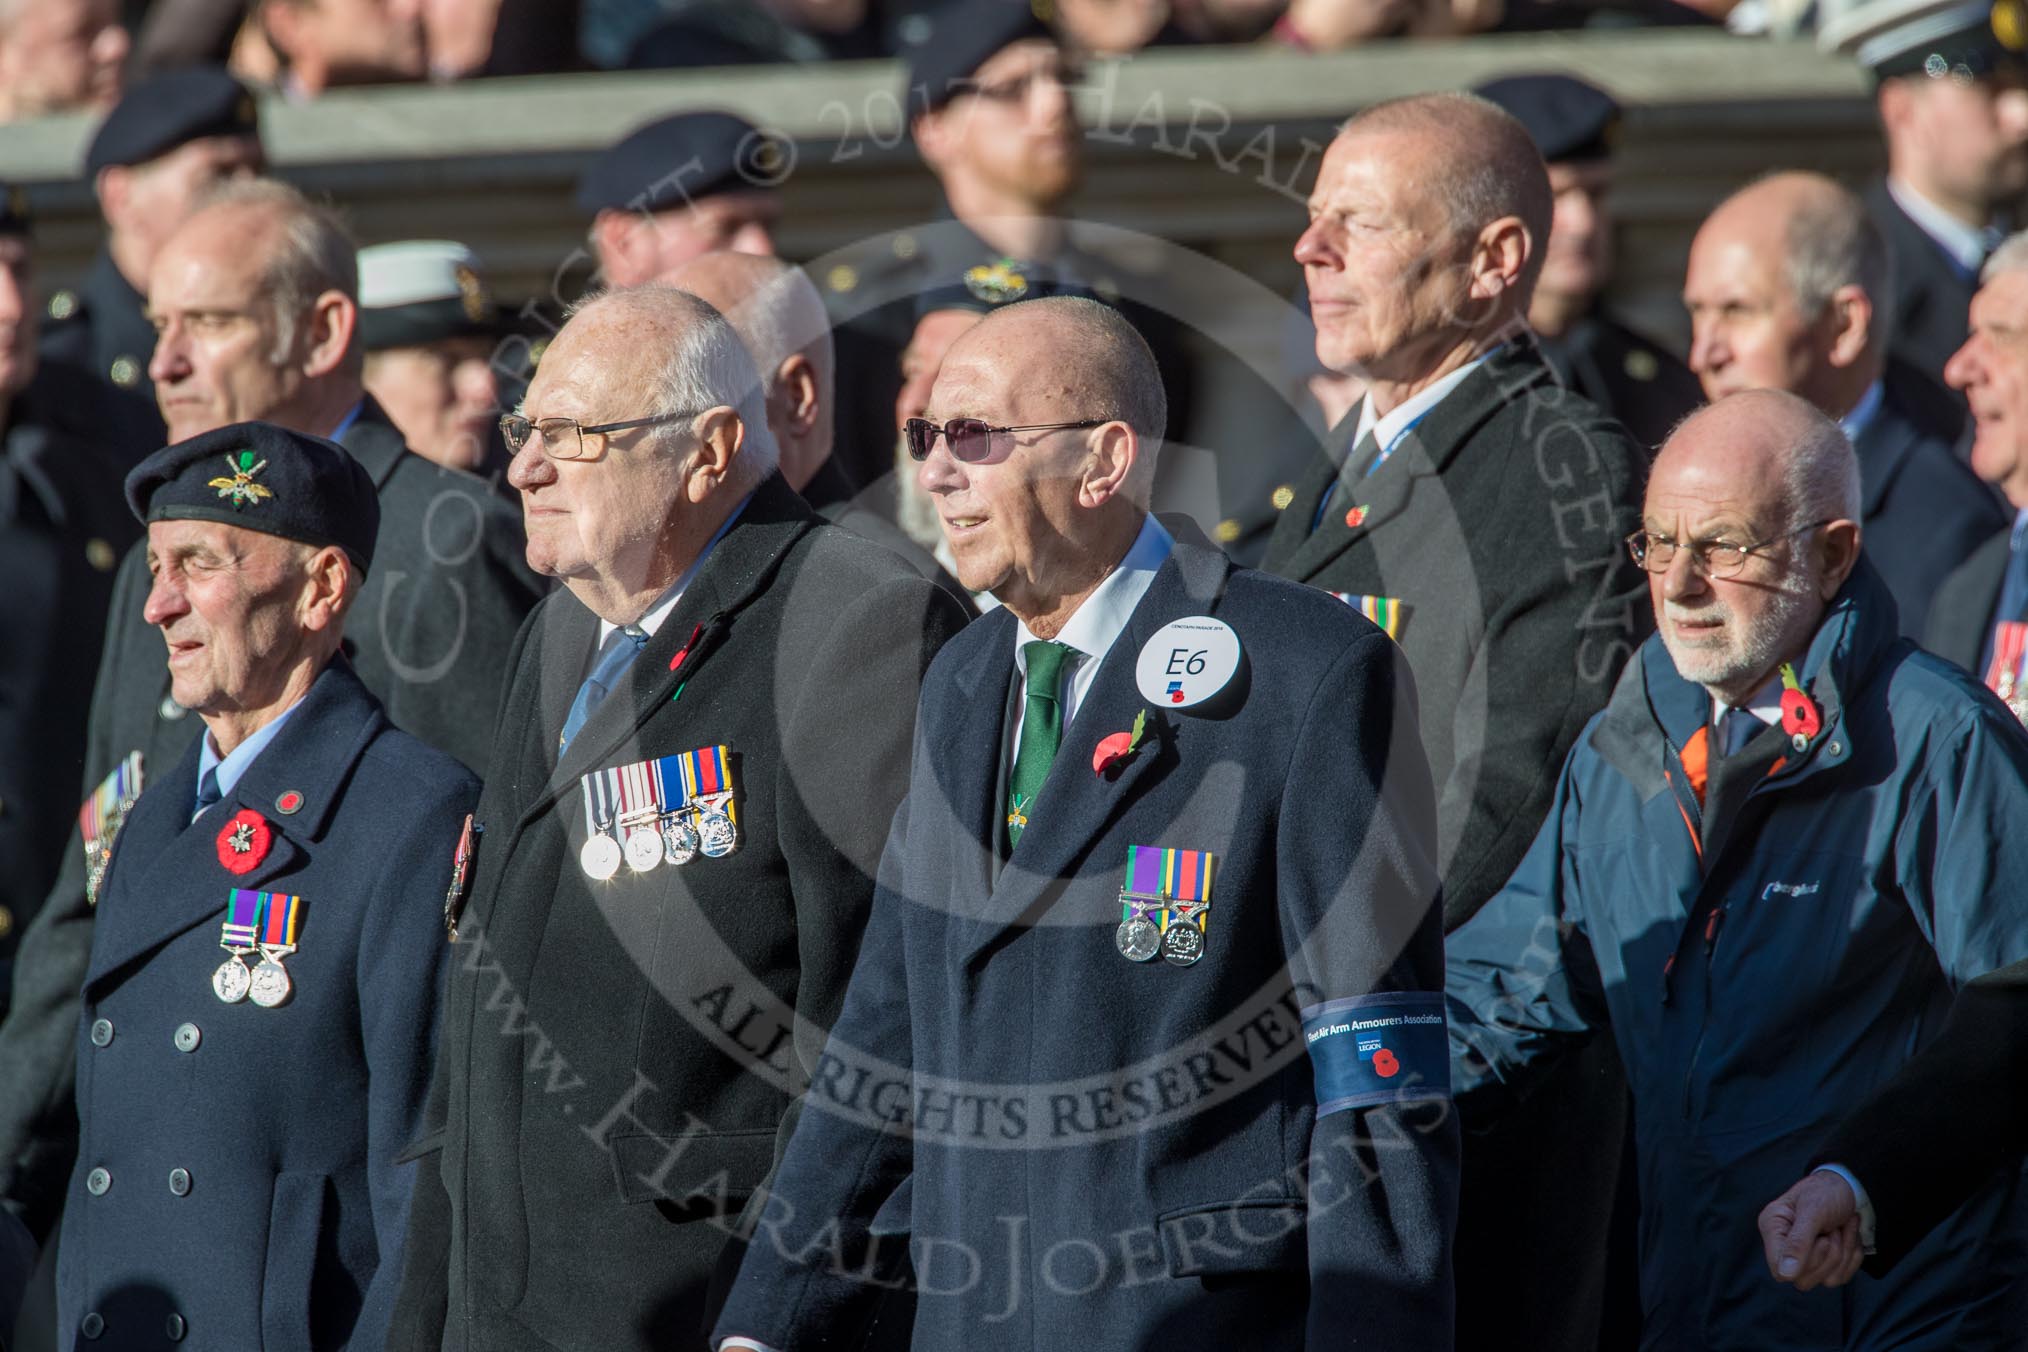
(716, 835)
(1138, 939)
(271, 984)
(600, 857)
(229, 983)
(1182, 944)
(679, 838)
(644, 848)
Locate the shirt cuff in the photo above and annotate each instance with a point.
(1866, 1231)
(743, 1345)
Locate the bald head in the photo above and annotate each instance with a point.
(1093, 360)
(1481, 163)
(1787, 288)
(1039, 516)
(779, 316)
(1761, 469)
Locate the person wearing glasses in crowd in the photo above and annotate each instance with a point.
(1772, 859)
(1160, 806)
(704, 737)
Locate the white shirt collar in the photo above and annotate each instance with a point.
(1387, 428)
(666, 602)
(234, 764)
(1099, 621)
(1966, 244)
(1861, 417)
(1764, 704)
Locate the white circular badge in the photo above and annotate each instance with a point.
(1187, 662)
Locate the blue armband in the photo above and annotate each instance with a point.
(1385, 1048)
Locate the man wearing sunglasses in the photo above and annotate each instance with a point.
(1771, 860)
(1245, 747)
(700, 749)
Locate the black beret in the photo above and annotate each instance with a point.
(15, 217)
(964, 35)
(420, 291)
(267, 479)
(1936, 38)
(174, 108)
(1565, 117)
(672, 161)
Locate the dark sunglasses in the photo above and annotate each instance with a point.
(971, 439)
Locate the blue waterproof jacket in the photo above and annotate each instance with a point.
(1769, 936)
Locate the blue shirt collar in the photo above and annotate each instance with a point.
(1863, 413)
(234, 765)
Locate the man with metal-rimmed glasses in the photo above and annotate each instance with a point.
(1772, 858)
(699, 753)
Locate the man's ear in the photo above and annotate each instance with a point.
(795, 394)
(1849, 317)
(1114, 450)
(613, 240)
(325, 599)
(114, 187)
(1500, 257)
(1895, 102)
(1837, 554)
(934, 135)
(720, 434)
(334, 320)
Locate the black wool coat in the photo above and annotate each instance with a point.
(621, 1059)
(1497, 524)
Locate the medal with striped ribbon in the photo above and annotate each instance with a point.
(280, 916)
(1165, 904)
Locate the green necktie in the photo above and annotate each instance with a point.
(1041, 731)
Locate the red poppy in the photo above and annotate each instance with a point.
(1111, 750)
(1355, 518)
(244, 841)
(1799, 712)
(1385, 1065)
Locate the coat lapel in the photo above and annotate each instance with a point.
(166, 875)
(971, 713)
(1882, 447)
(1425, 451)
(1077, 807)
(741, 566)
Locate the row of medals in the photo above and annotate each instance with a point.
(268, 984)
(654, 838)
(1140, 939)
(2013, 693)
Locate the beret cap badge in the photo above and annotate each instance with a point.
(240, 488)
(997, 283)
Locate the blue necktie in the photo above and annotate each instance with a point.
(1736, 729)
(207, 792)
(622, 646)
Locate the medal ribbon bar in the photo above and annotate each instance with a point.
(244, 914)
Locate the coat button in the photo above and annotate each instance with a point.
(179, 1182)
(91, 1326)
(96, 1183)
(174, 1328)
(102, 1032)
(187, 1038)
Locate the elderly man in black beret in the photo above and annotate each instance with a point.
(679, 187)
(170, 139)
(432, 628)
(241, 1111)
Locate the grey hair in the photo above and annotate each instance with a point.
(2010, 256)
(313, 253)
(1833, 242)
(706, 366)
(1112, 371)
(1820, 476)
(1490, 167)
(777, 310)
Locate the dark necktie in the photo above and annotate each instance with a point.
(1041, 731)
(207, 792)
(622, 646)
(1363, 459)
(1736, 729)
